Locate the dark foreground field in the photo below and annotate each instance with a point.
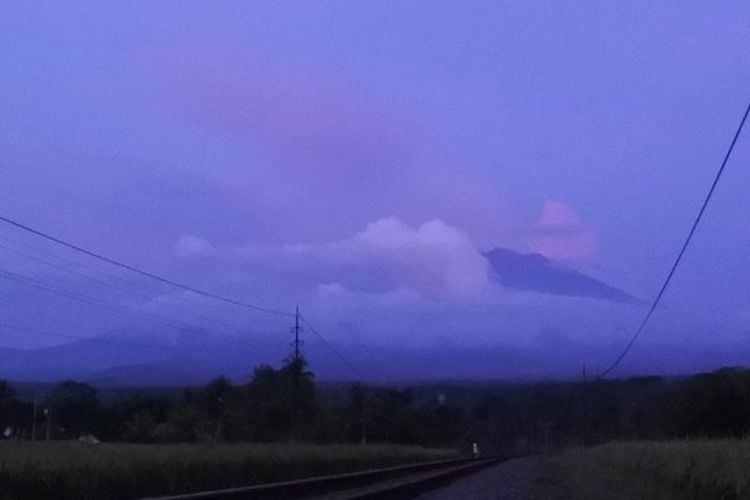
(667, 470)
(71, 470)
(700, 469)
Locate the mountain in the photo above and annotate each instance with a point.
(536, 273)
(75, 359)
(196, 363)
(153, 357)
(145, 357)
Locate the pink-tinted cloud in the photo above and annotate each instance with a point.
(560, 234)
(301, 119)
(317, 142)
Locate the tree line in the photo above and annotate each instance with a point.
(286, 403)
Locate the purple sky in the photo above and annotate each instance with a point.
(357, 158)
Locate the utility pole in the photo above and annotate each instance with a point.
(48, 414)
(33, 418)
(296, 334)
(585, 401)
(296, 372)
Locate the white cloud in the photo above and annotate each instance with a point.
(190, 245)
(336, 292)
(433, 260)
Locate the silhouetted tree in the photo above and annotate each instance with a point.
(715, 404)
(73, 408)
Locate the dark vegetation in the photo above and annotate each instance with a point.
(68, 470)
(192, 439)
(649, 470)
(161, 441)
(286, 404)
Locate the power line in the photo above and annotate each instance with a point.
(343, 358)
(296, 329)
(297, 343)
(128, 267)
(126, 282)
(69, 262)
(664, 286)
(25, 280)
(103, 282)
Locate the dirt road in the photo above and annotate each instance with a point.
(516, 479)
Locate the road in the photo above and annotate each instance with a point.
(516, 479)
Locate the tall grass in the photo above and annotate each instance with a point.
(694, 469)
(70, 470)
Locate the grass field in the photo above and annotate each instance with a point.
(71, 470)
(700, 469)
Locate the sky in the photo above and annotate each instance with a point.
(358, 159)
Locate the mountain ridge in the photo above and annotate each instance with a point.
(536, 273)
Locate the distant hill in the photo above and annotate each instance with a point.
(76, 359)
(195, 360)
(139, 357)
(536, 273)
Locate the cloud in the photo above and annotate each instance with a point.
(316, 142)
(303, 115)
(190, 245)
(336, 292)
(743, 313)
(306, 126)
(433, 260)
(560, 234)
